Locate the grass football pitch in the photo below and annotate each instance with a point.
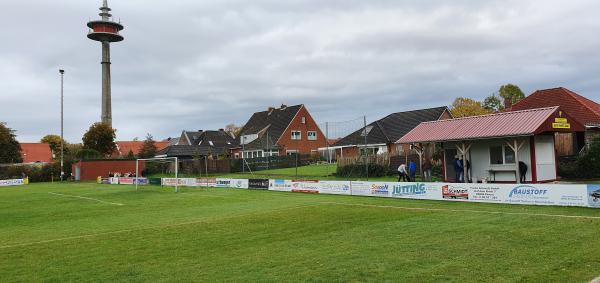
(90, 232)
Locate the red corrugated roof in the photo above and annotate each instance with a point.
(123, 147)
(36, 152)
(504, 124)
(583, 110)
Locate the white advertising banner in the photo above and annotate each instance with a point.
(12, 182)
(431, 191)
(280, 185)
(223, 183)
(186, 182)
(113, 180)
(239, 183)
(376, 189)
(334, 187)
(206, 182)
(305, 186)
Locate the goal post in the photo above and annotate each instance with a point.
(159, 159)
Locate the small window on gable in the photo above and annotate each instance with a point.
(303, 120)
(296, 135)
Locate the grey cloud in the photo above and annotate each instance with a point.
(189, 64)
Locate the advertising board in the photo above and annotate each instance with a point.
(334, 187)
(125, 181)
(430, 191)
(12, 182)
(239, 183)
(593, 194)
(280, 185)
(258, 184)
(455, 191)
(206, 182)
(223, 183)
(305, 186)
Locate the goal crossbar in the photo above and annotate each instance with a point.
(157, 159)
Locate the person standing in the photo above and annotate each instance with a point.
(522, 171)
(458, 169)
(427, 169)
(412, 170)
(402, 174)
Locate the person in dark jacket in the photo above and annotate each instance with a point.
(427, 169)
(458, 169)
(522, 171)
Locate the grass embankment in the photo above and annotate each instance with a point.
(90, 232)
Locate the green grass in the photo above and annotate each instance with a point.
(260, 236)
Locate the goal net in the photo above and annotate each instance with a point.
(162, 168)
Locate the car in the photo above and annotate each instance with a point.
(596, 195)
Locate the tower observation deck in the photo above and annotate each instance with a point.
(106, 31)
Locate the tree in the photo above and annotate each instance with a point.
(465, 107)
(130, 155)
(493, 103)
(148, 149)
(101, 138)
(10, 149)
(54, 142)
(511, 92)
(233, 130)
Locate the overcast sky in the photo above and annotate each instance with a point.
(194, 64)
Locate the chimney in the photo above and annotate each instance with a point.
(507, 103)
(221, 130)
(283, 106)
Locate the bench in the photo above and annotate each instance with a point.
(493, 172)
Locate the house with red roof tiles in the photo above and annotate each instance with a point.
(124, 147)
(583, 110)
(36, 153)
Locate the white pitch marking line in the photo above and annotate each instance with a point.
(87, 198)
(466, 210)
(154, 227)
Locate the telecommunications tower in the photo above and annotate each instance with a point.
(105, 31)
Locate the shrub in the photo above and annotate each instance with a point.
(359, 170)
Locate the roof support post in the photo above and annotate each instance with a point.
(516, 146)
(463, 150)
(419, 150)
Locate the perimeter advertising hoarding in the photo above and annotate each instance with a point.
(125, 181)
(305, 186)
(223, 183)
(593, 194)
(239, 183)
(430, 191)
(280, 185)
(187, 182)
(12, 182)
(378, 189)
(334, 187)
(258, 184)
(206, 182)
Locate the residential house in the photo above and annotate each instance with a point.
(280, 131)
(583, 110)
(201, 144)
(382, 134)
(36, 153)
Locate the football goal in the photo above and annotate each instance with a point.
(158, 167)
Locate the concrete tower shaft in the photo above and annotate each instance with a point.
(106, 31)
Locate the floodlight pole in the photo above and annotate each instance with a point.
(366, 150)
(62, 150)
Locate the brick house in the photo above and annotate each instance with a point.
(581, 109)
(382, 134)
(124, 147)
(279, 131)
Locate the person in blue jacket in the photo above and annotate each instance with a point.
(458, 169)
(412, 170)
